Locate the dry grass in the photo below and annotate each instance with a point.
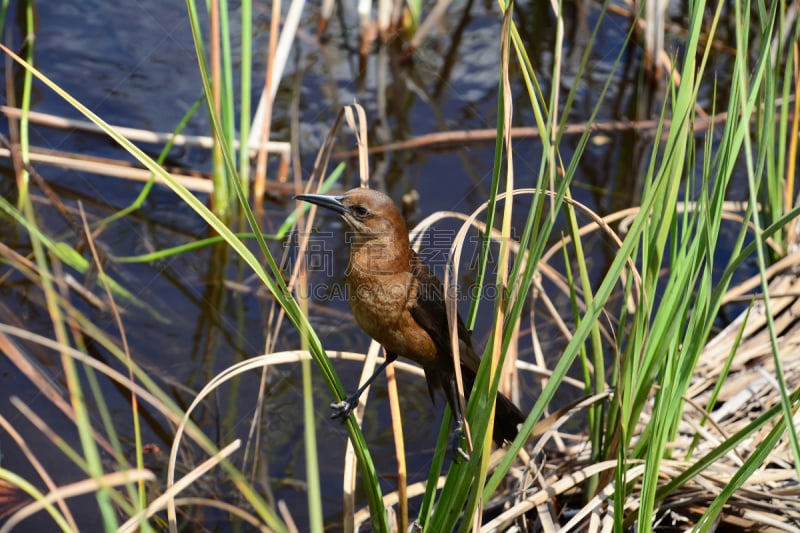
(768, 500)
(733, 389)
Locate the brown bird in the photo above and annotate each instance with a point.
(399, 302)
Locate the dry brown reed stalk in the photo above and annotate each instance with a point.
(12, 498)
(48, 191)
(730, 212)
(771, 496)
(86, 486)
(229, 508)
(550, 147)
(355, 117)
(359, 129)
(386, 24)
(109, 168)
(40, 469)
(140, 135)
(276, 313)
(40, 377)
(350, 467)
(459, 137)
(653, 24)
(753, 352)
(325, 13)
(400, 453)
(746, 392)
(226, 375)
(293, 357)
(547, 429)
(629, 12)
(791, 159)
(279, 55)
(785, 266)
(550, 479)
(288, 520)
(656, 58)
(143, 394)
(564, 482)
(259, 183)
(124, 169)
(275, 317)
(599, 223)
(390, 499)
(135, 414)
(504, 264)
(167, 499)
(434, 19)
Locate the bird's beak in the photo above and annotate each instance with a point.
(334, 203)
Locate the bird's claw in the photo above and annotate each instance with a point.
(458, 453)
(343, 409)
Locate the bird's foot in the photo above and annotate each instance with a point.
(343, 409)
(457, 452)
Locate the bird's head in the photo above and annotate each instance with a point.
(370, 214)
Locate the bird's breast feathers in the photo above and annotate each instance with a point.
(382, 307)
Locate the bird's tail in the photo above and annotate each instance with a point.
(507, 416)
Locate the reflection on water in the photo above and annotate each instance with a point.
(133, 63)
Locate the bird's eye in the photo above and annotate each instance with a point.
(360, 211)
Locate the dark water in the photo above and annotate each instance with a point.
(133, 63)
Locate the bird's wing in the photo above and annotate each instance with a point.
(430, 313)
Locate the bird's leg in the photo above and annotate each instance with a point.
(343, 409)
(458, 453)
(451, 391)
